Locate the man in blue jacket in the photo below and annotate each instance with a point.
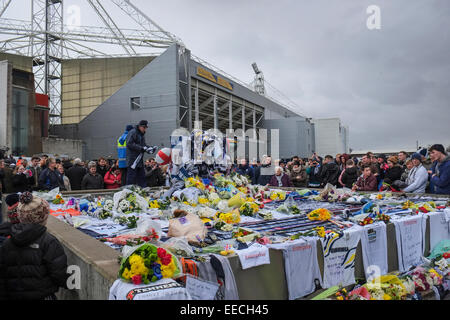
(122, 153)
(440, 171)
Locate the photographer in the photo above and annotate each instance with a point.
(314, 172)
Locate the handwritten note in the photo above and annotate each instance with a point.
(200, 289)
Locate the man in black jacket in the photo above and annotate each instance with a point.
(33, 264)
(136, 147)
(330, 171)
(76, 174)
(92, 180)
(153, 174)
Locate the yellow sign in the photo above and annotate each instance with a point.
(216, 79)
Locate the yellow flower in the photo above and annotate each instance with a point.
(320, 231)
(319, 214)
(126, 274)
(154, 204)
(379, 196)
(203, 200)
(386, 297)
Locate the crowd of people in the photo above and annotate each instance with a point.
(427, 170)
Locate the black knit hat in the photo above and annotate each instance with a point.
(438, 147)
(12, 199)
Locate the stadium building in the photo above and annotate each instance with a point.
(98, 95)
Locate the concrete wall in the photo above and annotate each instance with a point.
(87, 83)
(19, 62)
(72, 148)
(330, 136)
(157, 86)
(295, 136)
(98, 263)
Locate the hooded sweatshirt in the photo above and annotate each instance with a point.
(349, 176)
(33, 264)
(441, 182)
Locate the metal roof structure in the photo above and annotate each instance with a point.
(49, 41)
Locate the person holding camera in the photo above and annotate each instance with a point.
(136, 147)
(314, 172)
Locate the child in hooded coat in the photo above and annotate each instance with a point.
(33, 264)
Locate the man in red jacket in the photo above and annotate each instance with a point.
(367, 181)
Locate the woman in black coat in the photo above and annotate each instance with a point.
(394, 172)
(20, 181)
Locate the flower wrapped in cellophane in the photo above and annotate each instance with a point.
(277, 195)
(194, 182)
(319, 214)
(148, 263)
(249, 209)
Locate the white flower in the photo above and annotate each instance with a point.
(109, 204)
(223, 206)
(124, 205)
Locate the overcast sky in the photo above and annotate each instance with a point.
(390, 86)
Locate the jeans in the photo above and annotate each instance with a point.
(136, 176)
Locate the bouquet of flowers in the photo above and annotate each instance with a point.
(229, 217)
(102, 213)
(367, 220)
(245, 235)
(277, 195)
(194, 182)
(383, 217)
(294, 209)
(220, 225)
(148, 264)
(221, 181)
(387, 287)
(319, 214)
(249, 209)
(203, 201)
(130, 222)
(317, 231)
(213, 197)
(108, 205)
(239, 180)
(159, 204)
(58, 199)
(129, 204)
(266, 215)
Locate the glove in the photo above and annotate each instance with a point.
(150, 149)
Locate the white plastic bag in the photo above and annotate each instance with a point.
(178, 243)
(48, 196)
(145, 227)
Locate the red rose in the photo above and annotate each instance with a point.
(166, 260)
(137, 279)
(161, 252)
(146, 239)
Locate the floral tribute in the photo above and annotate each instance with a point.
(249, 209)
(58, 200)
(319, 214)
(148, 264)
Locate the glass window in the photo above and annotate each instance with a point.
(135, 103)
(20, 121)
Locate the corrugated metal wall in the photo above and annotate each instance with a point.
(87, 83)
(156, 86)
